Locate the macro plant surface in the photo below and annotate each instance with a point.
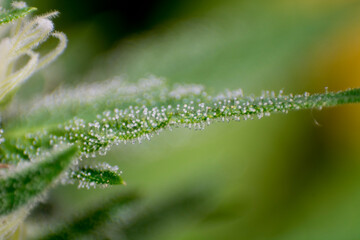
(47, 141)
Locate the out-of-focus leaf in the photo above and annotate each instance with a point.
(237, 43)
(138, 221)
(187, 205)
(93, 220)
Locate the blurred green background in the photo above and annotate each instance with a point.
(294, 176)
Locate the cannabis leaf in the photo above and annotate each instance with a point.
(98, 175)
(11, 15)
(127, 217)
(93, 220)
(25, 184)
(120, 113)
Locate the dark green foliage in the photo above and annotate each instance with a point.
(93, 220)
(26, 184)
(114, 221)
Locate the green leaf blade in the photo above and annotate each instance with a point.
(133, 113)
(9, 16)
(22, 187)
(100, 175)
